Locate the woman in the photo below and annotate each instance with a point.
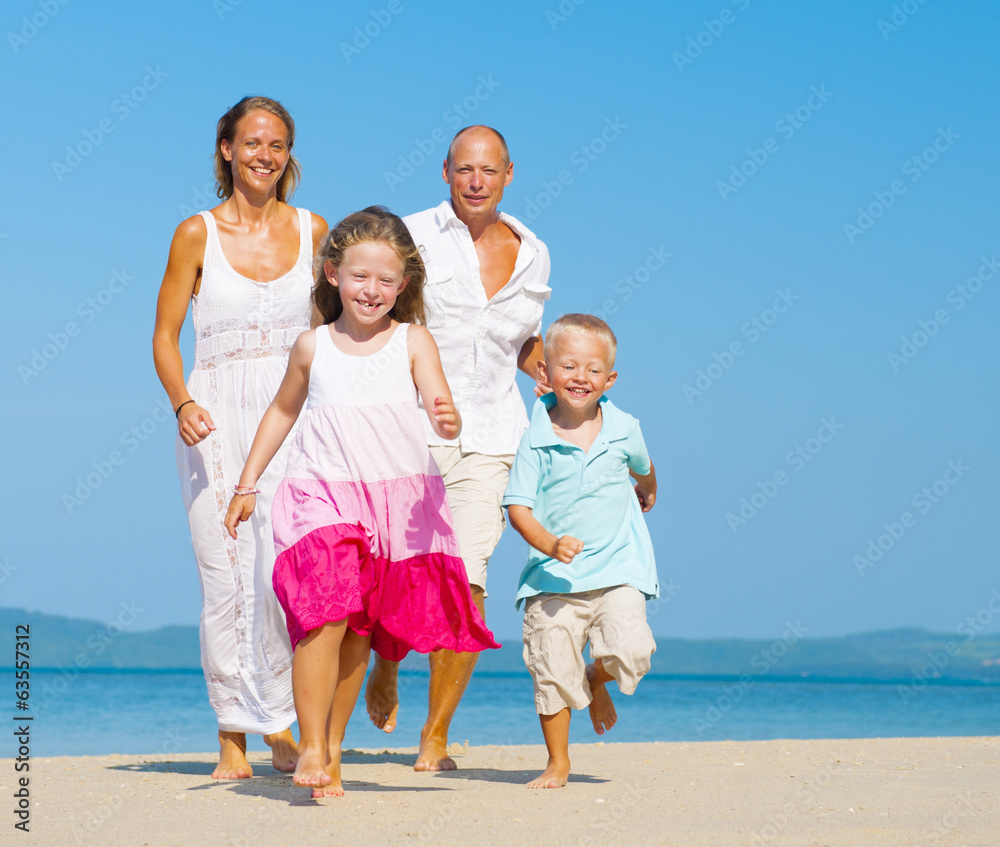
(246, 269)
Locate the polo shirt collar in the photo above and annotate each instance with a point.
(614, 423)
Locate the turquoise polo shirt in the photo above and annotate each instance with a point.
(588, 495)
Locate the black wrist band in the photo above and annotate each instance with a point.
(177, 411)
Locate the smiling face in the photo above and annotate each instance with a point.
(477, 174)
(258, 152)
(578, 367)
(369, 280)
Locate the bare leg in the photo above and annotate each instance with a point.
(354, 652)
(315, 668)
(233, 762)
(450, 674)
(602, 711)
(555, 729)
(382, 694)
(284, 750)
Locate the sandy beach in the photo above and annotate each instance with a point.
(892, 791)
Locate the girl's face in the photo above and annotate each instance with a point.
(369, 279)
(259, 152)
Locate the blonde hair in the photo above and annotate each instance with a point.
(582, 324)
(227, 129)
(374, 224)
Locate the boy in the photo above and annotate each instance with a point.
(591, 567)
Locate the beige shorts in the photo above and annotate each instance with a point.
(475, 483)
(557, 628)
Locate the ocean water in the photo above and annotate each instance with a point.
(135, 712)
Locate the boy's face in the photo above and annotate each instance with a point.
(577, 366)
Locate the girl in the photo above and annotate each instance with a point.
(367, 557)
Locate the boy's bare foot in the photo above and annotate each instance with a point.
(433, 754)
(233, 762)
(602, 710)
(382, 696)
(310, 771)
(336, 787)
(555, 776)
(284, 751)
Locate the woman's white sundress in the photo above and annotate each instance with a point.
(244, 331)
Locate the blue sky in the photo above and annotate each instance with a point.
(788, 213)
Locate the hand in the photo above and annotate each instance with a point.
(447, 418)
(566, 548)
(240, 509)
(194, 424)
(646, 498)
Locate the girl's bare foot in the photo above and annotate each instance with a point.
(233, 762)
(555, 776)
(382, 696)
(336, 787)
(602, 710)
(310, 770)
(284, 751)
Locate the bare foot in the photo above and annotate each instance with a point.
(310, 771)
(602, 710)
(555, 776)
(382, 696)
(336, 787)
(284, 751)
(433, 755)
(233, 762)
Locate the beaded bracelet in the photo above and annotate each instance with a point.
(177, 411)
(245, 492)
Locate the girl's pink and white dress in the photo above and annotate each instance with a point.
(362, 527)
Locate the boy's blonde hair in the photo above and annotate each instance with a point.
(583, 325)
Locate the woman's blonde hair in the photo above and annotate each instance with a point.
(227, 129)
(376, 224)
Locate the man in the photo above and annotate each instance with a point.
(487, 282)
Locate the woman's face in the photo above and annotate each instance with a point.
(258, 152)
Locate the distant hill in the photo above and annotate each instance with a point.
(898, 654)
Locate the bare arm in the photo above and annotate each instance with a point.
(179, 281)
(274, 426)
(319, 231)
(530, 356)
(428, 376)
(524, 521)
(645, 488)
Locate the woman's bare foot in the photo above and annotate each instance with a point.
(433, 755)
(233, 762)
(602, 710)
(336, 787)
(555, 776)
(382, 696)
(310, 771)
(284, 751)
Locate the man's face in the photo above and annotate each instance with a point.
(477, 176)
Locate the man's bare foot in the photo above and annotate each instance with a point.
(233, 762)
(284, 751)
(310, 771)
(602, 710)
(433, 755)
(336, 787)
(555, 776)
(382, 695)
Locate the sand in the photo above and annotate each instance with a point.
(820, 792)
